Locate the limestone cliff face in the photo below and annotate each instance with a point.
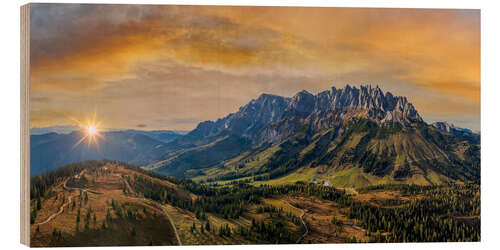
(271, 118)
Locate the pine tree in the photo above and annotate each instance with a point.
(38, 203)
(87, 219)
(78, 215)
(207, 226)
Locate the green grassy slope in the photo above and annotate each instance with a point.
(360, 154)
(187, 162)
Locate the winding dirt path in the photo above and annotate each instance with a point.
(301, 219)
(146, 201)
(355, 227)
(61, 209)
(74, 188)
(171, 223)
(129, 188)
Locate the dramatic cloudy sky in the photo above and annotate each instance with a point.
(170, 67)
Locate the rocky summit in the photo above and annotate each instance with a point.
(268, 116)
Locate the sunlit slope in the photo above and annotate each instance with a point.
(358, 154)
(187, 162)
(104, 203)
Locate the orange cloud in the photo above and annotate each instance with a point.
(419, 50)
(428, 46)
(101, 58)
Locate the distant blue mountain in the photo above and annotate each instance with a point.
(463, 133)
(54, 129)
(160, 135)
(53, 150)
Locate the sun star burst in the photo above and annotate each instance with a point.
(91, 132)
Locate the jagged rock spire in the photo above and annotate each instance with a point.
(323, 110)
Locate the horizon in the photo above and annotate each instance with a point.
(68, 128)
(71, 128)
(170, 67)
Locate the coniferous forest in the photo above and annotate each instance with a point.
(426, 213)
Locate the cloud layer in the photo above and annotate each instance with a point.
(174, 66)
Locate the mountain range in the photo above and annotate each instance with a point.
(347, 137)
(350, 136)
(54, 129)
(272, 118)
(52, 150)
(463, 133)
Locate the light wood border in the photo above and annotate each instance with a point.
(25, 124)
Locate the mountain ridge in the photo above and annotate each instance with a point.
(325, 107)
(52, 150)
(463, 133)
(353, 122)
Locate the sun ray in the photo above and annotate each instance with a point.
(91, 131)
(79, 142)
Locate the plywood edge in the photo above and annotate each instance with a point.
(25, 149)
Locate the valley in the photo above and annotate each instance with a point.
(110, 203)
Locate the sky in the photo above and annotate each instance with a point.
(171, 67)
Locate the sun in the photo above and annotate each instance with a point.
(91, 132)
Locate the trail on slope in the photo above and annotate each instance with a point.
(75, 188)
(129, 188)
(61, 209)
(158, 205)
(301, 219)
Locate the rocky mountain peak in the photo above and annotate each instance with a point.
(300, 105)
(323, 110)
(462, 133)
(302, 95)
(449, 127)
(443, 126)
(367, 100)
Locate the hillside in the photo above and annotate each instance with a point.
(103, 203)
(346, 137)
(364, 154)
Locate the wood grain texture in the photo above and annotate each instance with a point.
(25, 149)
